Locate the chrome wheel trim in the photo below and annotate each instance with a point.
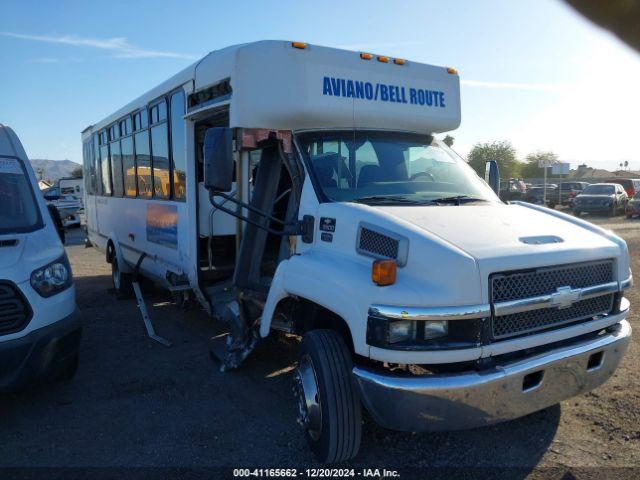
(308, 396)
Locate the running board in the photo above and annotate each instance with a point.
(145, 316)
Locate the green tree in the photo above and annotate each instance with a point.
(76, 172)
(500, 151)
(448, 140)
(531, 170)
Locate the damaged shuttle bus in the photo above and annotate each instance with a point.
(288, 186)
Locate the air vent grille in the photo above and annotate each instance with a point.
(378, 244)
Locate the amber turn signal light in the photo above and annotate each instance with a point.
(383, 272)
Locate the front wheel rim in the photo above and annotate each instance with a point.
(308, 396)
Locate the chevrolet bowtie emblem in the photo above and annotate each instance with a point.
(564, 297)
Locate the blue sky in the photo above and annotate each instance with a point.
(533, 72)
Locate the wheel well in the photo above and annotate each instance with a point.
(306, 315)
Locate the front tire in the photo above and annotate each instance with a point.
(328, 404)
(122, 282)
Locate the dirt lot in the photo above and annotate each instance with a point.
(135, 403)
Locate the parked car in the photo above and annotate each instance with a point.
(570, 190)
(630, 185)
(74, 187)
(536, 195)
(68, 206)
(633, 206)
(601, 198)
(40, 324)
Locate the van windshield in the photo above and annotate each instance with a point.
(391, 168)
(18, 207)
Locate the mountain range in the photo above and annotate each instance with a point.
(52, 170)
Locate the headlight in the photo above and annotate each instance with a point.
(381, 332)
(52, 278)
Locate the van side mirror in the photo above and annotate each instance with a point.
(218, 159)
(492, 175)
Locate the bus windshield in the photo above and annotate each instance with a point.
(392, 168)
(18, 207)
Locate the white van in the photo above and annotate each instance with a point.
(301, 188)
(40, 325)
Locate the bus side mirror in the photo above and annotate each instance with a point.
(218, 159)
(492, 175)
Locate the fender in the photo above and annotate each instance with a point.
(327, 280)
(624, 269)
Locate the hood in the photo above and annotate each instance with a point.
(508, 237)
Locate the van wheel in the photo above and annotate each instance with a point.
(122, 282)
(328, 404)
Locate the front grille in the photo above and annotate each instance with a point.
(14, 310)
(534, 320)
(378, 244)
(525, 284)
(543, 281)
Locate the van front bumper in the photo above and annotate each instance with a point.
(479, 398)
(40, 354)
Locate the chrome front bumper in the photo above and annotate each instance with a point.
(474, 399)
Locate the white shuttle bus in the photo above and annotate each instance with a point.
(295, 187)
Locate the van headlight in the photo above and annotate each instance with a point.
(52, 278)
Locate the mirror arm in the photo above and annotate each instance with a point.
(287, 228)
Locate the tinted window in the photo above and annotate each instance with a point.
(104, 170)
(87, 161)
(116, 170)
(114, 132)
(599, 190)
(179, 162)
(18, 208)
(160, 152)
(125, 126)
(140, 120)
(95, 181)
(143, 162)
(128, 167)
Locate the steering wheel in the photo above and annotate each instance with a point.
(423, 174)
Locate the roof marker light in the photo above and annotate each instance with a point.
(383, 59)
(366, 56)
(399, 61)
(300, 45)
(451, 70)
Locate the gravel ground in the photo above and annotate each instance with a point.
(136, 403)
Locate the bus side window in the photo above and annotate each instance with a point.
(128, 166)
(143, 163)
(160, 151)
(95, 167)
(105, 171)
(116, 169)
(178, 153)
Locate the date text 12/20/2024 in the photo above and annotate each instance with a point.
(315, 473)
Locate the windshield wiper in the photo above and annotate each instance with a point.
(458, 199)
(389, 200)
